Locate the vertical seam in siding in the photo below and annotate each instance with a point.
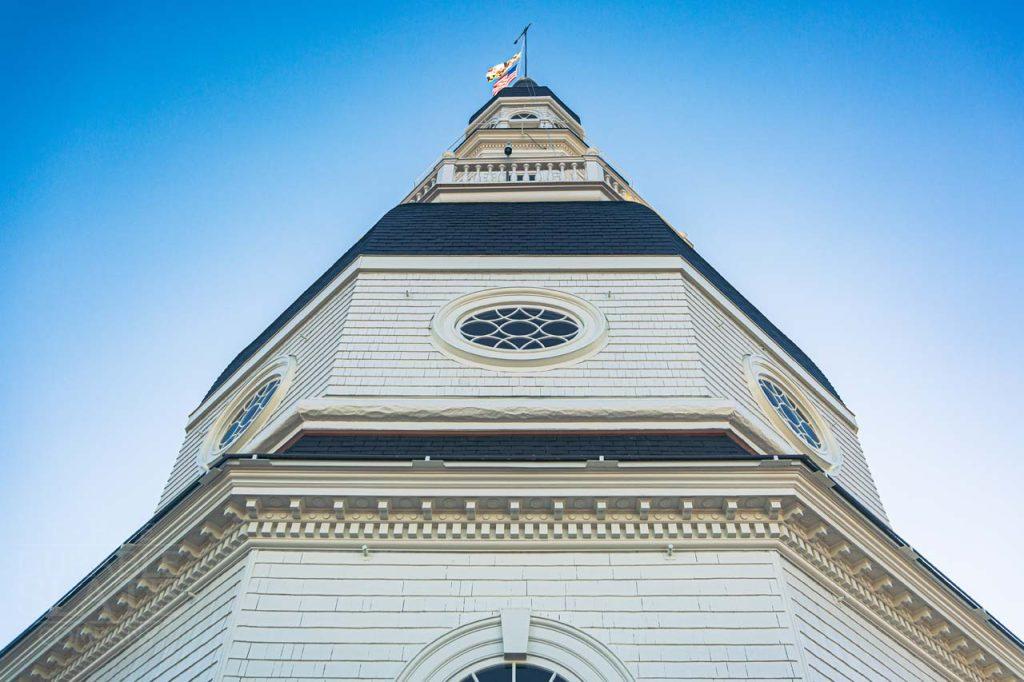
(229, 627)
(787, 604)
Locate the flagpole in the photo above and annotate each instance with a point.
(526, 49)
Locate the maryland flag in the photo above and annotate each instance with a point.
(499, 70)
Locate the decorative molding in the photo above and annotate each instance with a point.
(520, 103)
(370, 508)
(137, 604)
(526, 413)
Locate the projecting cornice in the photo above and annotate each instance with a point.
(361, 414)
(765, 503)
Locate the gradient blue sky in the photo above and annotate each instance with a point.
(172, 177)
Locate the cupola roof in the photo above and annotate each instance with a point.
(526, 87)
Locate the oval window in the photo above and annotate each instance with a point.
(519, 328)
(248, 412)
(790, 411)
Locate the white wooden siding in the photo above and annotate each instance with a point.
(666, 338)
(186, 644)
(386, 348)
(337, 615)
(839, 644)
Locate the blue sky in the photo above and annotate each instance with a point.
(172, 177)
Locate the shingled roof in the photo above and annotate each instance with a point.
(563, 228)
(559, 447)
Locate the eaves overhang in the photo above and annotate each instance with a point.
(780, 502)
(454, 416)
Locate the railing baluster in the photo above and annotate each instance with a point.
(538, 170)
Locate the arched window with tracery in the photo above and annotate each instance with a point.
(513, 672)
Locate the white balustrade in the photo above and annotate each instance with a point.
(499, 171)
(487, 171)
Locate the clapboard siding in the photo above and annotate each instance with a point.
(313, 344)
(839, 644)
(186, 644)
(337, 615)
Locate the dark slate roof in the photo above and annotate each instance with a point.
(526, 446)
(527, 88)
(563, 228)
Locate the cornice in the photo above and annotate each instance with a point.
(361, 414)
(596, 506)
(513, 191)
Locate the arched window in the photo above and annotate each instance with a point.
(523, 116)
(514, 672)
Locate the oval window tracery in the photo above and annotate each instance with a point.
(248, 412)
(513, 672)
(791, 412)
(519, 328)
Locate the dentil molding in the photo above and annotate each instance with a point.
(377, 508)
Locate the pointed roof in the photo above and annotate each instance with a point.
(526, 87)
(561, 228)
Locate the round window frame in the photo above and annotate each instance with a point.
(282, 368)
(448, 338)
(828, 456)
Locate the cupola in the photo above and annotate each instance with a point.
(524, 144)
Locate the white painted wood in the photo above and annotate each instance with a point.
(666, 339)
(839, 644)
(722, 344)
(515, 632)
(186, 644)
(338, 615)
